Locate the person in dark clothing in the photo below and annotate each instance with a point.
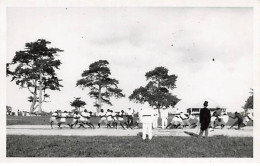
(239, 121)
(205, 117)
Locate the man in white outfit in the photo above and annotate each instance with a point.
(146, 115)
(164, 116)
(155, 117)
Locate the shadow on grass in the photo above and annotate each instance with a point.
(191, 134)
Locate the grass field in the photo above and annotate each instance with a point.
(102, 146)
(45, 120)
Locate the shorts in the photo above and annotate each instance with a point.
(63, 120)
(109, 119)
(75, 121)
(54, 119)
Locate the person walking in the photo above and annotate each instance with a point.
(146, 115)
(205, 118)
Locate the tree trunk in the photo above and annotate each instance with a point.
(40, 94)
(99, 99)
(34, 98)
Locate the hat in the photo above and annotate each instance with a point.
(154, 106)
(163, 107)
(205, 103)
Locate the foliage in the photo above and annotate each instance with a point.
(8, 110)
(102, 87)
(77, 103)
(250, 101)
(157, 91)
(34, 69)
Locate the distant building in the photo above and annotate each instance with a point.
(213, 106)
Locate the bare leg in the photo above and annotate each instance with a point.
(122, 125)
(168, 125)
(207, 132)
(200, 134)
(234, 124)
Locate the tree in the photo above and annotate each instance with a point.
(77, 103)
(157, 91)
(8, 110)
(35, 70)
(250, 101)
(102, 87)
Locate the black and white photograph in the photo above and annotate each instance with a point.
(130, 82)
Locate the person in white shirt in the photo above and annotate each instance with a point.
(84, 119)
(185, 119)
(109, 118)
(146, 115)
(164, 116)
(102, 116)
(63, 118)
(114, 118)
(155, 117)
(129, 115)
(120, 119)
(175, 123)
(76, 117)
(55, 118)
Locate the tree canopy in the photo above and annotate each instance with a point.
(157, 91)
(77, 103)
(34, 69)
(250, 101)
(102, 87)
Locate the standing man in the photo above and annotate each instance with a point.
(164, 116)
(155, 117)
(146, 115)
(205, 118)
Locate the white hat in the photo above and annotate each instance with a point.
(154, 106)
(163, 107)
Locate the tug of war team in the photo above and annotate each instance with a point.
(148, 116)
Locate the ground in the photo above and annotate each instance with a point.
(30, 136)
(103, 131)
(128, 146)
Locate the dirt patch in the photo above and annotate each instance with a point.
(66, 131)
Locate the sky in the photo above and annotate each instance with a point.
(135, 40)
